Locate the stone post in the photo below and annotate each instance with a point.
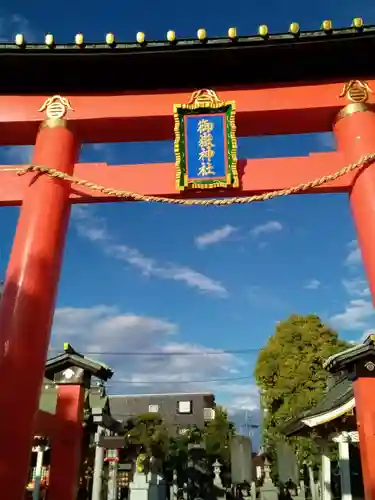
(344, 460)
(218, 484)
(326, 477)
(268, 490)
(38, 471)
(98, 466)
(112, 480)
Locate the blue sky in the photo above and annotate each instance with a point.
(164, 279)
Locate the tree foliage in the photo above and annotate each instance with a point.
(148, 433)
(289, 372)
(217, 436)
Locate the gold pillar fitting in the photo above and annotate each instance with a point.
(56, 109)
(357, 92)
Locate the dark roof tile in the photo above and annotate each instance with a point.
(187, 63)
(336, 396)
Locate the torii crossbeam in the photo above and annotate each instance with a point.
(104, 109)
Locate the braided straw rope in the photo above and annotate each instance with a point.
(129, 195)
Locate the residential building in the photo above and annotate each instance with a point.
(178, 410)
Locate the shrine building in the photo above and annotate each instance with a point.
(333, 421)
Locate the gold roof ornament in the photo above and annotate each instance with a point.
(204, 98)
(263, 31)
(294, 29)
(202, 35)
(141, 38)
(110, 39)
(56, 107)
(49, 40)
(327, 26)
(356, 91)
(358, 23)
(232, 33)
(171, 36)
(79, 40)
(19, 40)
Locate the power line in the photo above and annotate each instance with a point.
(152, 382)
(162, 354)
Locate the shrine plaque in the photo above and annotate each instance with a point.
(205, 142)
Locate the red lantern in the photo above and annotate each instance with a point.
(111, 456)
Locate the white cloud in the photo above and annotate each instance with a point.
(13, 24)
(174, 272)
(313, 284)
(357, 287)
(364, 336)
(354, 254)
(106, 330)
(88, 225)
(215, 236)
(243, 397)
(357, 314)
(95, 229)
(271, 226)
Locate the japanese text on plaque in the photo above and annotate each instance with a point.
(206, 147)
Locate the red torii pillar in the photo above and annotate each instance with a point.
(355, 133)
(28, 301)
(67, 443)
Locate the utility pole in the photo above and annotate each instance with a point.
(248, 427)
(98, 465)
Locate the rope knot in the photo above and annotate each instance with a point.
(26, 170)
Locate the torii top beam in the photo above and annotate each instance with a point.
(326, 54)
(284, 84)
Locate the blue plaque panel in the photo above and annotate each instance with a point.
(205, 147)
(205, 142)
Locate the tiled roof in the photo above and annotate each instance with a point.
(202, 38)
(72, 358)
(336, 396)
(199, 62)
(341, 360)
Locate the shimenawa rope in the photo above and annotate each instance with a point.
(129, 195)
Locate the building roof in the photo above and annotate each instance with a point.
(161, 394)
(337, 401)
(129, 406)
(325, 54)
(341, 360)
(71, 358)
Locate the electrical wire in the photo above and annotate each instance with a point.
(152, 382)
(161, 354)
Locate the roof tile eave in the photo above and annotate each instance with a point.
(256, 39)
(346, 356)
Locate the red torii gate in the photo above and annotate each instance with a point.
(107, 109)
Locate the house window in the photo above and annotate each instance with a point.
(184, 407)
(209, 414)
(153, 408)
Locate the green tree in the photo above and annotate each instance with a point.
(217, 436)
(149, 433)
(289, 372)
